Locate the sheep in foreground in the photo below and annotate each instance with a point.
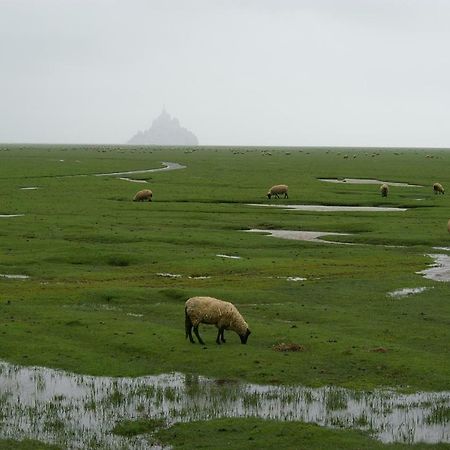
(212, 311)
(384, 190)
(144, 195)
(277, 190)
(438, 189)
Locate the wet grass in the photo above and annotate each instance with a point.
(262, 434)
(94, 302)
(135, 427)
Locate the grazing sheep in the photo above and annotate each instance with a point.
(144, 195)
(384, 189)
(277, 190)
(212, 311)
(438, 189)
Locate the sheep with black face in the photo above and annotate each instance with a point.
(277, 190)
(212, 311)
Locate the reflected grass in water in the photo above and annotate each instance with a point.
(76, 410)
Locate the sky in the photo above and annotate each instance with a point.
(249, 72)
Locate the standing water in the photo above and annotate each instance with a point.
(76, 411)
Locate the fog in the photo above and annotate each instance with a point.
(255, 72)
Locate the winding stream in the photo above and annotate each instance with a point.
(332, 208)
(167, 166)
(75, 411)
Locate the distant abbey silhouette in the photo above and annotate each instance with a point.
(165, 130)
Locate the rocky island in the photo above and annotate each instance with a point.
(165, 130)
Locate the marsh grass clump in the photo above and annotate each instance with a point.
(118, 261)
(439, 415)
(130, 428)
(336, 400)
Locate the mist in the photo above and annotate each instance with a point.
(297, 73)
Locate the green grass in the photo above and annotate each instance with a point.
(265, 434)
(93, 257)
(26, 444)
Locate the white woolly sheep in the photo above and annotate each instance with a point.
(277, 190)
(144, 195)
(384, 190)
(438, 189)
(212, 311)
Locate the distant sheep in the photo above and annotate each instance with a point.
(144, 195)
(438, 189)
(277, 190)
(212, 311)
(384, 190)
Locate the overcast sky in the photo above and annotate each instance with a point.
(249, 72)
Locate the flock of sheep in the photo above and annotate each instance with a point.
(437, 188)
(224, 315)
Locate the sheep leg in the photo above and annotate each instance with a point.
(198, 336)
(286, 195)
(188, 327)
(220, 335)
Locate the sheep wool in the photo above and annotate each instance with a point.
(384, 190)
(277, 190)
(143, 195)
(438, 188)
(212, 311)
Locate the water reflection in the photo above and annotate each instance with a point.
(77, 411)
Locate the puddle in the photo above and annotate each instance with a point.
(169, 275)
(135, 315)
(312, 236)
(31, 188)
(367, 181)
(176, 275)
(167, 166)
(11, 215)
(14, 277)
(406, 292)
(132, 180)
(332, 208)
(295, 279)
(439, 270)
(75, 411)
(228, 256)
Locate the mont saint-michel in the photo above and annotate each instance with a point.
(165, 130)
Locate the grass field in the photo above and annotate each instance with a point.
(96, 303)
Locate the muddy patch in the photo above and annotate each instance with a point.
(288, 347)
(311, 236)
(167, 167)
(439, 270)
(331, 208)
(367, 181)
(74, 411)
(406, 292)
